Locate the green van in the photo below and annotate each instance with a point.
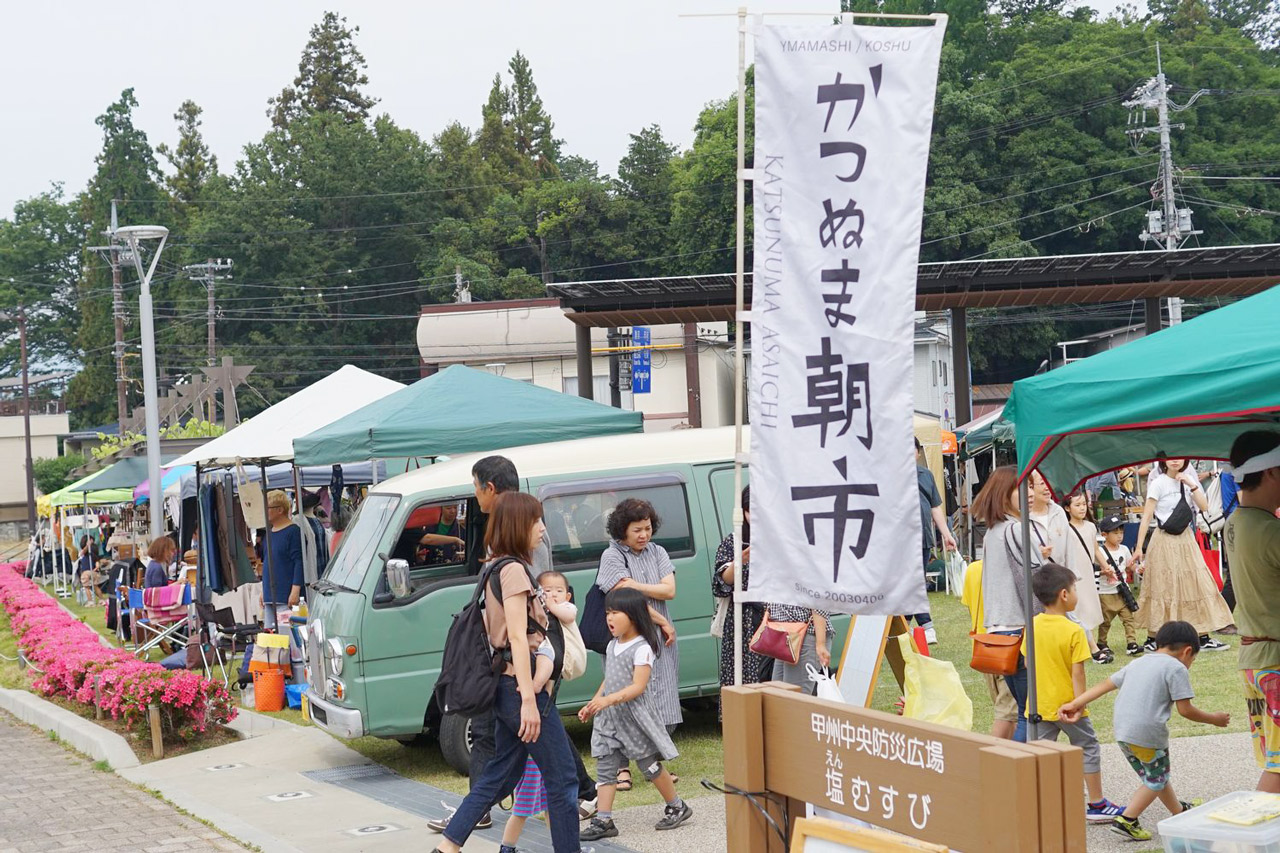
(374, 641)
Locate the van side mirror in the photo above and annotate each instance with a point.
(398, 578)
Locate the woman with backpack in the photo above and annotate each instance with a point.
(1176, 584)
(526, 723)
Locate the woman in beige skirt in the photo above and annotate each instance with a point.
(1176, 583)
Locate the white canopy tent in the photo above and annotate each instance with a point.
(269, 435)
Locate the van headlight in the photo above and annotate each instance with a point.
(333, 654)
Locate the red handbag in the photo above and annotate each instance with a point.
(779, 640)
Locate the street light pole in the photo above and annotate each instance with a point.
(132, 235)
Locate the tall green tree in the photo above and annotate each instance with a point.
(646, 177)
(191, 163)
(39, 269)
(331, 77)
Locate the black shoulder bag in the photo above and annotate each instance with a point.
(594, 629)
(1181, 516)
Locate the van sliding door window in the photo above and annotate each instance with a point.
(428, 539)
(576, 522)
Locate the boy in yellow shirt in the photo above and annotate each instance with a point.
(1061, 650)
(1004, 707)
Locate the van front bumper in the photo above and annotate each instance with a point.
(338, 721)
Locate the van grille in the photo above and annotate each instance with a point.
(315, 656)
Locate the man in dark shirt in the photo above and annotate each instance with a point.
(931, 516)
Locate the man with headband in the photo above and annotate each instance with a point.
(1252, 539)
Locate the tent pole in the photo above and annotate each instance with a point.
(309, 567)
(270, 623)
(1024, 511)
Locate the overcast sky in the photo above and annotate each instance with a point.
(604, 70)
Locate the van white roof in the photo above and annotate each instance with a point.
(584, 455)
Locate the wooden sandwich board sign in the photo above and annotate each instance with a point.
(820, 835)
(968, 791)
(866, 645)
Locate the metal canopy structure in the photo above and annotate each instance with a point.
(990, 283)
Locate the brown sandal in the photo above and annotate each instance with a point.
(624, 784)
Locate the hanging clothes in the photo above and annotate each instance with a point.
(210, 545)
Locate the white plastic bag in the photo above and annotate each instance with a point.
(956, 566)
(717, 621)
(825, 685)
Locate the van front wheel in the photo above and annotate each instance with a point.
(455, 742)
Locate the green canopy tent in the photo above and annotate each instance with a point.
(460, 410)
(1187, 390)
(126, 473)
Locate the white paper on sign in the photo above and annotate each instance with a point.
(843, 118)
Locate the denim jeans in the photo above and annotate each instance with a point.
(553, 755)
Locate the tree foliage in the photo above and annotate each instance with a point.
(342, 223)
(55, 473)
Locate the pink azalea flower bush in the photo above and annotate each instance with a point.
(72, 658)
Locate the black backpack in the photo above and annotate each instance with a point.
(470, 667)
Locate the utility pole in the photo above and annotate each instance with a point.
(208, 274)
(26, 414)
(1170, 226)
(114, 254)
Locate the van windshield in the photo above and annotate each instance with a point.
(359, 543)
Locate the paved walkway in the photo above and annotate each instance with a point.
(52, 799)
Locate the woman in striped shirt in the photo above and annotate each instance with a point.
(634, 560)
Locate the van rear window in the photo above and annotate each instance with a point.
(359, 543)
(576, 523)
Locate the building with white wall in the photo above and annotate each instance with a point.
(45, 430)
(532, 340)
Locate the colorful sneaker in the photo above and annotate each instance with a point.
(1188, 805)
(673, 816)
(1102, 811)
(597, 829)
(1133, 650)
(1130, 828)
(440, 824)
(1209, 644)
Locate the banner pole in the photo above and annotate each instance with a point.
(738, 360)
(1024, 510)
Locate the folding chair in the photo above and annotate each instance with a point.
(224, 635)
(155, 630)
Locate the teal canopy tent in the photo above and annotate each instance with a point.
(126, 473)
(1186, 391)
(460, 410)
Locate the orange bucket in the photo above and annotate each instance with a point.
(268, 691)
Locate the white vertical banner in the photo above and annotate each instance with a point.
(843, 117)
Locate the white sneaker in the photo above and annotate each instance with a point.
(930, 636)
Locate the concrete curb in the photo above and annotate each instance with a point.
(93, 740)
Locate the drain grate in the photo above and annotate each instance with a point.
(427, 801)
(349, 771)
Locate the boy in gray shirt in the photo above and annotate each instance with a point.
(1149, 687)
